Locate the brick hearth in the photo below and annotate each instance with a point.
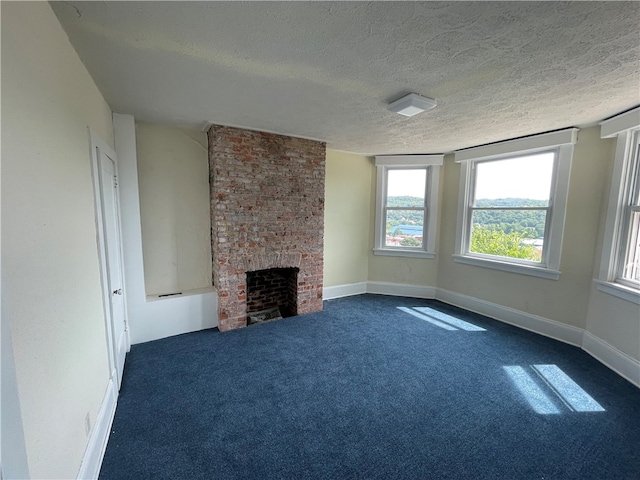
(267, 211)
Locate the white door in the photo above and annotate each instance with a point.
(108, 210)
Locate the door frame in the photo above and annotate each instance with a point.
(97, 145)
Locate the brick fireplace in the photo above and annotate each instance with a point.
(267, 217)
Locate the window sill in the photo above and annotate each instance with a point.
(403, 253)
(509, 267)
(621, 291)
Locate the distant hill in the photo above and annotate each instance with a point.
(405, 202)
(510, 202)
(529, 223)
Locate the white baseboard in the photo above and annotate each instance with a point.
(621, 363)
(347, 290)
(401, 290)
(97, 445)
(378, 288)
(527, 321)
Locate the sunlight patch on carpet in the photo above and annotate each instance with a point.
(535, 396)
(569, 391)
(426, 318)
(440, 319)
(550, 389)
(456, 322)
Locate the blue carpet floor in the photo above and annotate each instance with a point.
(373, 387)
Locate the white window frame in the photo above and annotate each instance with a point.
(432, 164)
(561, 142)
(626, 128)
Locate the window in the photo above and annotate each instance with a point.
(512, 203)
(405, 208)
(406, 205)
(510, 207)
(629, 273)
(620, 264)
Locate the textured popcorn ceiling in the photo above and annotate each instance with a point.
(326, 70)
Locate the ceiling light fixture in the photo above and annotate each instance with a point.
(412, 104)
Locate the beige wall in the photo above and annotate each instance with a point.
(615, 321)
(412, 271)
(173, 178)
(566, 299)
(50, 273)
(347, 216)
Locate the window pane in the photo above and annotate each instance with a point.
(528, 223)
(515, 182)
(631, 269)
(406, 188)
(404, 228)
(508, 233)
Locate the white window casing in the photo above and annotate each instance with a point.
(561, 142)
(384, 163)
(625, 180)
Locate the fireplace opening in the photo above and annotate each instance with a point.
(272, 294)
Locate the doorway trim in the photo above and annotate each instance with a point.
(97, 145)
(99, 436)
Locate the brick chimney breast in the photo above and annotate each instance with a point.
(267, 211)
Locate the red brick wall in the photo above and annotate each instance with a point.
(267, 211)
